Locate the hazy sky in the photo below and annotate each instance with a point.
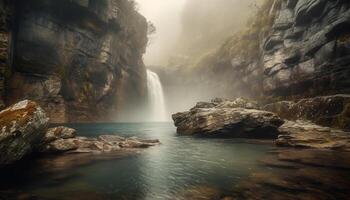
(166, 16)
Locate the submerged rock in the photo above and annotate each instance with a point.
(226, 119)
(298, 174)
(104, 143)
(23, 126)
(309, 135)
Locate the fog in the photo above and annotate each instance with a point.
(166, 16)
(186, 31)
(191, 27)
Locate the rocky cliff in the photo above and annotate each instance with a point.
(290, 49)
(81, 60)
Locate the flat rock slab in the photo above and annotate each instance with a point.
(332, 111)
(228, 122)
(67, 142)
(309, 135)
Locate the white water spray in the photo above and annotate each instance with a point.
(156, 98)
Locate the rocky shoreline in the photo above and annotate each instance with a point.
(24, 132)
(241, 118)
(310, 156)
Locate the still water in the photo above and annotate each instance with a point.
(180, 164)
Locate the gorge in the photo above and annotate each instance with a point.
(185, 99)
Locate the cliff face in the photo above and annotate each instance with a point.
(80, 59)
(308, 49)
(292, 49)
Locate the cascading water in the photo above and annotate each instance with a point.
(156, 98)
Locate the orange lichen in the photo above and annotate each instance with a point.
(20, 116)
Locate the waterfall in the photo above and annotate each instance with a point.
(155, 98)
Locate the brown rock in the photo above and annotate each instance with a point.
(308, 135)
(60, 132)
(333, 111)
(23, 126)
(228, 122)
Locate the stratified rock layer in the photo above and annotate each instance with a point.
(234, 119)
(23, 126)
(332, 111)
(308, 135)
(102, 144)
(227, 119)
(80, 60)
(291, 49)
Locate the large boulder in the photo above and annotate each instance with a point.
(23, 126)
(308, 135)
(228, 121)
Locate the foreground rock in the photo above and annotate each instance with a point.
(332, 111)
(309, 135)
(24, 130)
(23, 126)
(104, 143)
(208, 119)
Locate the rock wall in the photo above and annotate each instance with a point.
(291, 49)
(5, 39)
(308, 49)
(80, 59)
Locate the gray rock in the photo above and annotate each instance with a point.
(284, 20)
(332, 111)
(292, 3)
(60, 145)
(309, 135)
(60, 132)
(23, 126)
(227, 122)
(307, 9)
(83, 61)
(102, 144)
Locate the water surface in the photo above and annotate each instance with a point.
(180, 164)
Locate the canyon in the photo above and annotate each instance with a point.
(293, 50)
(261, 110)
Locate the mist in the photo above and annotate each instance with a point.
(191, 27)
(187, 31)
(166, 16)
